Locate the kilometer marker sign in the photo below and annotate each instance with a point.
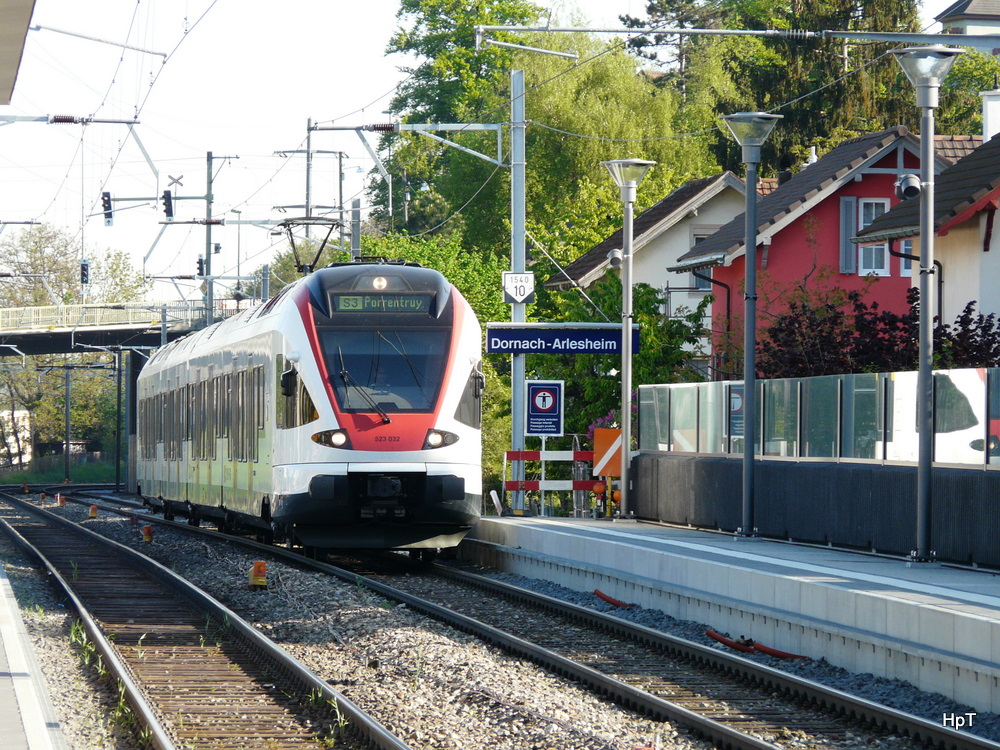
(518, 288)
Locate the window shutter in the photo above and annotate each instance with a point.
(848, 228)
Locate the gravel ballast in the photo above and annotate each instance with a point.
(435, 687)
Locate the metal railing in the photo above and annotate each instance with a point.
(52, 317)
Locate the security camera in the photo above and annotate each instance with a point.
(908, 187)
(615, 258)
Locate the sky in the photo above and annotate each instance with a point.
(238, 78)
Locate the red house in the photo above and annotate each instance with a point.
(806, 225)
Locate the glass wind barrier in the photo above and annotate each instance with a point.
(865, 416)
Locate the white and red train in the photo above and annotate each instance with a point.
(342, 413)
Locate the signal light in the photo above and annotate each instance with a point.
(109, 217)
(85, 272)
(201, 266)
(168, 205)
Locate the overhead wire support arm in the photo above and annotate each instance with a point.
(508, 45)
(424, 129)
(499, 162)
(38, 27)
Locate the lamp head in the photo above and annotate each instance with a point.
(615, 258)
(628, 172)
(927, 65)
(751, 128)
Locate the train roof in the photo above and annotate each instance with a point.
(403, 276)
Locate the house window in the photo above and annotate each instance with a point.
(906, 264)
(873, 260)
(701, 282)
(697, 284)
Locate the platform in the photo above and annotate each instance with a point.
(27, 719)
(933, 626)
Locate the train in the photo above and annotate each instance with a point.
(343, 413)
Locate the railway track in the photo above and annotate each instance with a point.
(193, 672)
(719, 695)
(735, 702)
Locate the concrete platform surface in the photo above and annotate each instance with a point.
(27, 719)
(934, 626)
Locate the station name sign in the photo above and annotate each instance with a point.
(557, 338)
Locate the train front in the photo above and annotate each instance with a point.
(390, 398)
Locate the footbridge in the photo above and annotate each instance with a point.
(57, 329)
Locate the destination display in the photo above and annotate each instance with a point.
(382, 303)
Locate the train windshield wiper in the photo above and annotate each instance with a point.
(415, 373)
(352, 383)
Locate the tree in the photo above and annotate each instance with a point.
(961, 110)
(582, 115)
(45, 267)
(579, 115)
(452, 82)
(839, 89)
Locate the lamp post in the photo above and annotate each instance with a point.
(926, 67)
(627, 174)
(750, 130)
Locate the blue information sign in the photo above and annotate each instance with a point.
(557, 338)
(545, 408)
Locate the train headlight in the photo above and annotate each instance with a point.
(332, 439)
(437, 438)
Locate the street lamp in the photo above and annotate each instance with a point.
(627, 174)
(926, 67)
(750, 130)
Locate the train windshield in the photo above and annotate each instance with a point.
(385, 370)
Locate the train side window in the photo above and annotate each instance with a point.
(259, 386)
(211, 416)
(187, 413)
(217, 407)
(294, 405)
(470, 406)
(307, 409)
(227, 402)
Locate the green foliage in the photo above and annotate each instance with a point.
(46, 264)
(961, 110)
(452, 79)
(593, 387)
(826, 90)
(452, 82)
(582, 115)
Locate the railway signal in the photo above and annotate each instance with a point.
(168, 205)
(84, 271)
(109, 217)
